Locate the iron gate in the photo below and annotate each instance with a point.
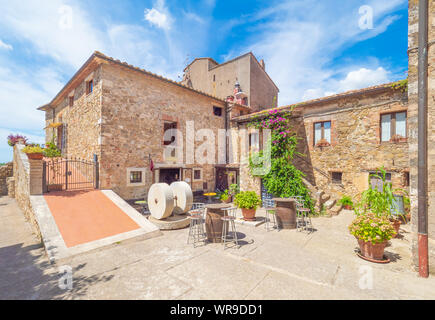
(70, 174)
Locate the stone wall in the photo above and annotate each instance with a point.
(28, 182)
(134, 108)
(219, 80)
(413, 124)
(355, 148)
(82, 120)
(6, 171)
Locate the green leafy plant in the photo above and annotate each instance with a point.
(234, 189)
(52, 151)
(346, 201)
(33, 149)
(224, 196)
(401, 85)
(370, 227)
(283, 179)
(247, 200)
(379, 202)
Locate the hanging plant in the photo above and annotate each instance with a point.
(284, 179)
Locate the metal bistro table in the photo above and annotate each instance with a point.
(213, 222)
(285, 213)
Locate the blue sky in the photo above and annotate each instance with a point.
(311, 48)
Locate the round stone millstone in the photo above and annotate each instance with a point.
(171, 223)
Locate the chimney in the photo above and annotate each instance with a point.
(262, 64)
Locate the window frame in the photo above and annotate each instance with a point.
(379, 173)
(322, 131)
(335, 181)
(201, 175)
(136, 183)
(393, 127)
(215, 108)
(89, 86)
(71, 101)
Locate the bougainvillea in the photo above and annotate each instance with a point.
(283, 179)
(14, 139)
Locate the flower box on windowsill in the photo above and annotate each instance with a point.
(322, 143)
(398, 139)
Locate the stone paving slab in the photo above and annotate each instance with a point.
(269, 265)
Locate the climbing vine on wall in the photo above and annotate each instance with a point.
(283, 179)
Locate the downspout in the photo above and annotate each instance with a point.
(423, 262)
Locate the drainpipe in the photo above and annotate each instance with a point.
(423, 262)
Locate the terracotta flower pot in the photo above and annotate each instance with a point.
(372, 251)
(396, 224)
(35, 156)
(248, 214)
(348, 207)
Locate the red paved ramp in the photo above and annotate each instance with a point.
(85, 216)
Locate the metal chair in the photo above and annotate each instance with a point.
(270, 207)
(303, 217)
(229, 225)
(196, 229)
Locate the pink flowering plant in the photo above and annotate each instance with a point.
(13, 139)
(284, 179)
(372, 228)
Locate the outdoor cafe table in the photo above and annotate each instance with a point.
(213, 222)
(285, 213)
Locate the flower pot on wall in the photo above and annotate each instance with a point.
(35, 156)
(248, 214)
(372, 251)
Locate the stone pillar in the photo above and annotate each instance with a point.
(11, 187)
(35, 177)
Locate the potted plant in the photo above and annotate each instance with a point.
(346, 202)
(380, 201)
(372, 232)
(52, 151)
(248, 201)
(14, 139)
(234, 189)
(225, 197)
(322, 143)
(34, 152)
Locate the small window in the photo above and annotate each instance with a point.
(71, 101)
(197, 174)
(214, 78)
(89, 86)
(393, 126)
(337, 177)
(406, 179)
(136, 177)
(322, 132)
(254, 141)
(217, 111)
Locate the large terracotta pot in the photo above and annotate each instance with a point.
(396, 224)
(372, 251)
(35, 156)
(248, 214)
(348, 207)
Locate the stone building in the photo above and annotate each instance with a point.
(255, 87)
(365, 129)
(120, 114)
(413, 20)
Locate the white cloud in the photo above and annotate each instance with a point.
(65, 35)
(5, 46)
(157, 18)
(363, 78)
(300, 45)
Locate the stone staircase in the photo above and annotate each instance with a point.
(323, 200)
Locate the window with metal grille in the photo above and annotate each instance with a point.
(197, 174)
(376, 182)
(135, 176)
(337, 177)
